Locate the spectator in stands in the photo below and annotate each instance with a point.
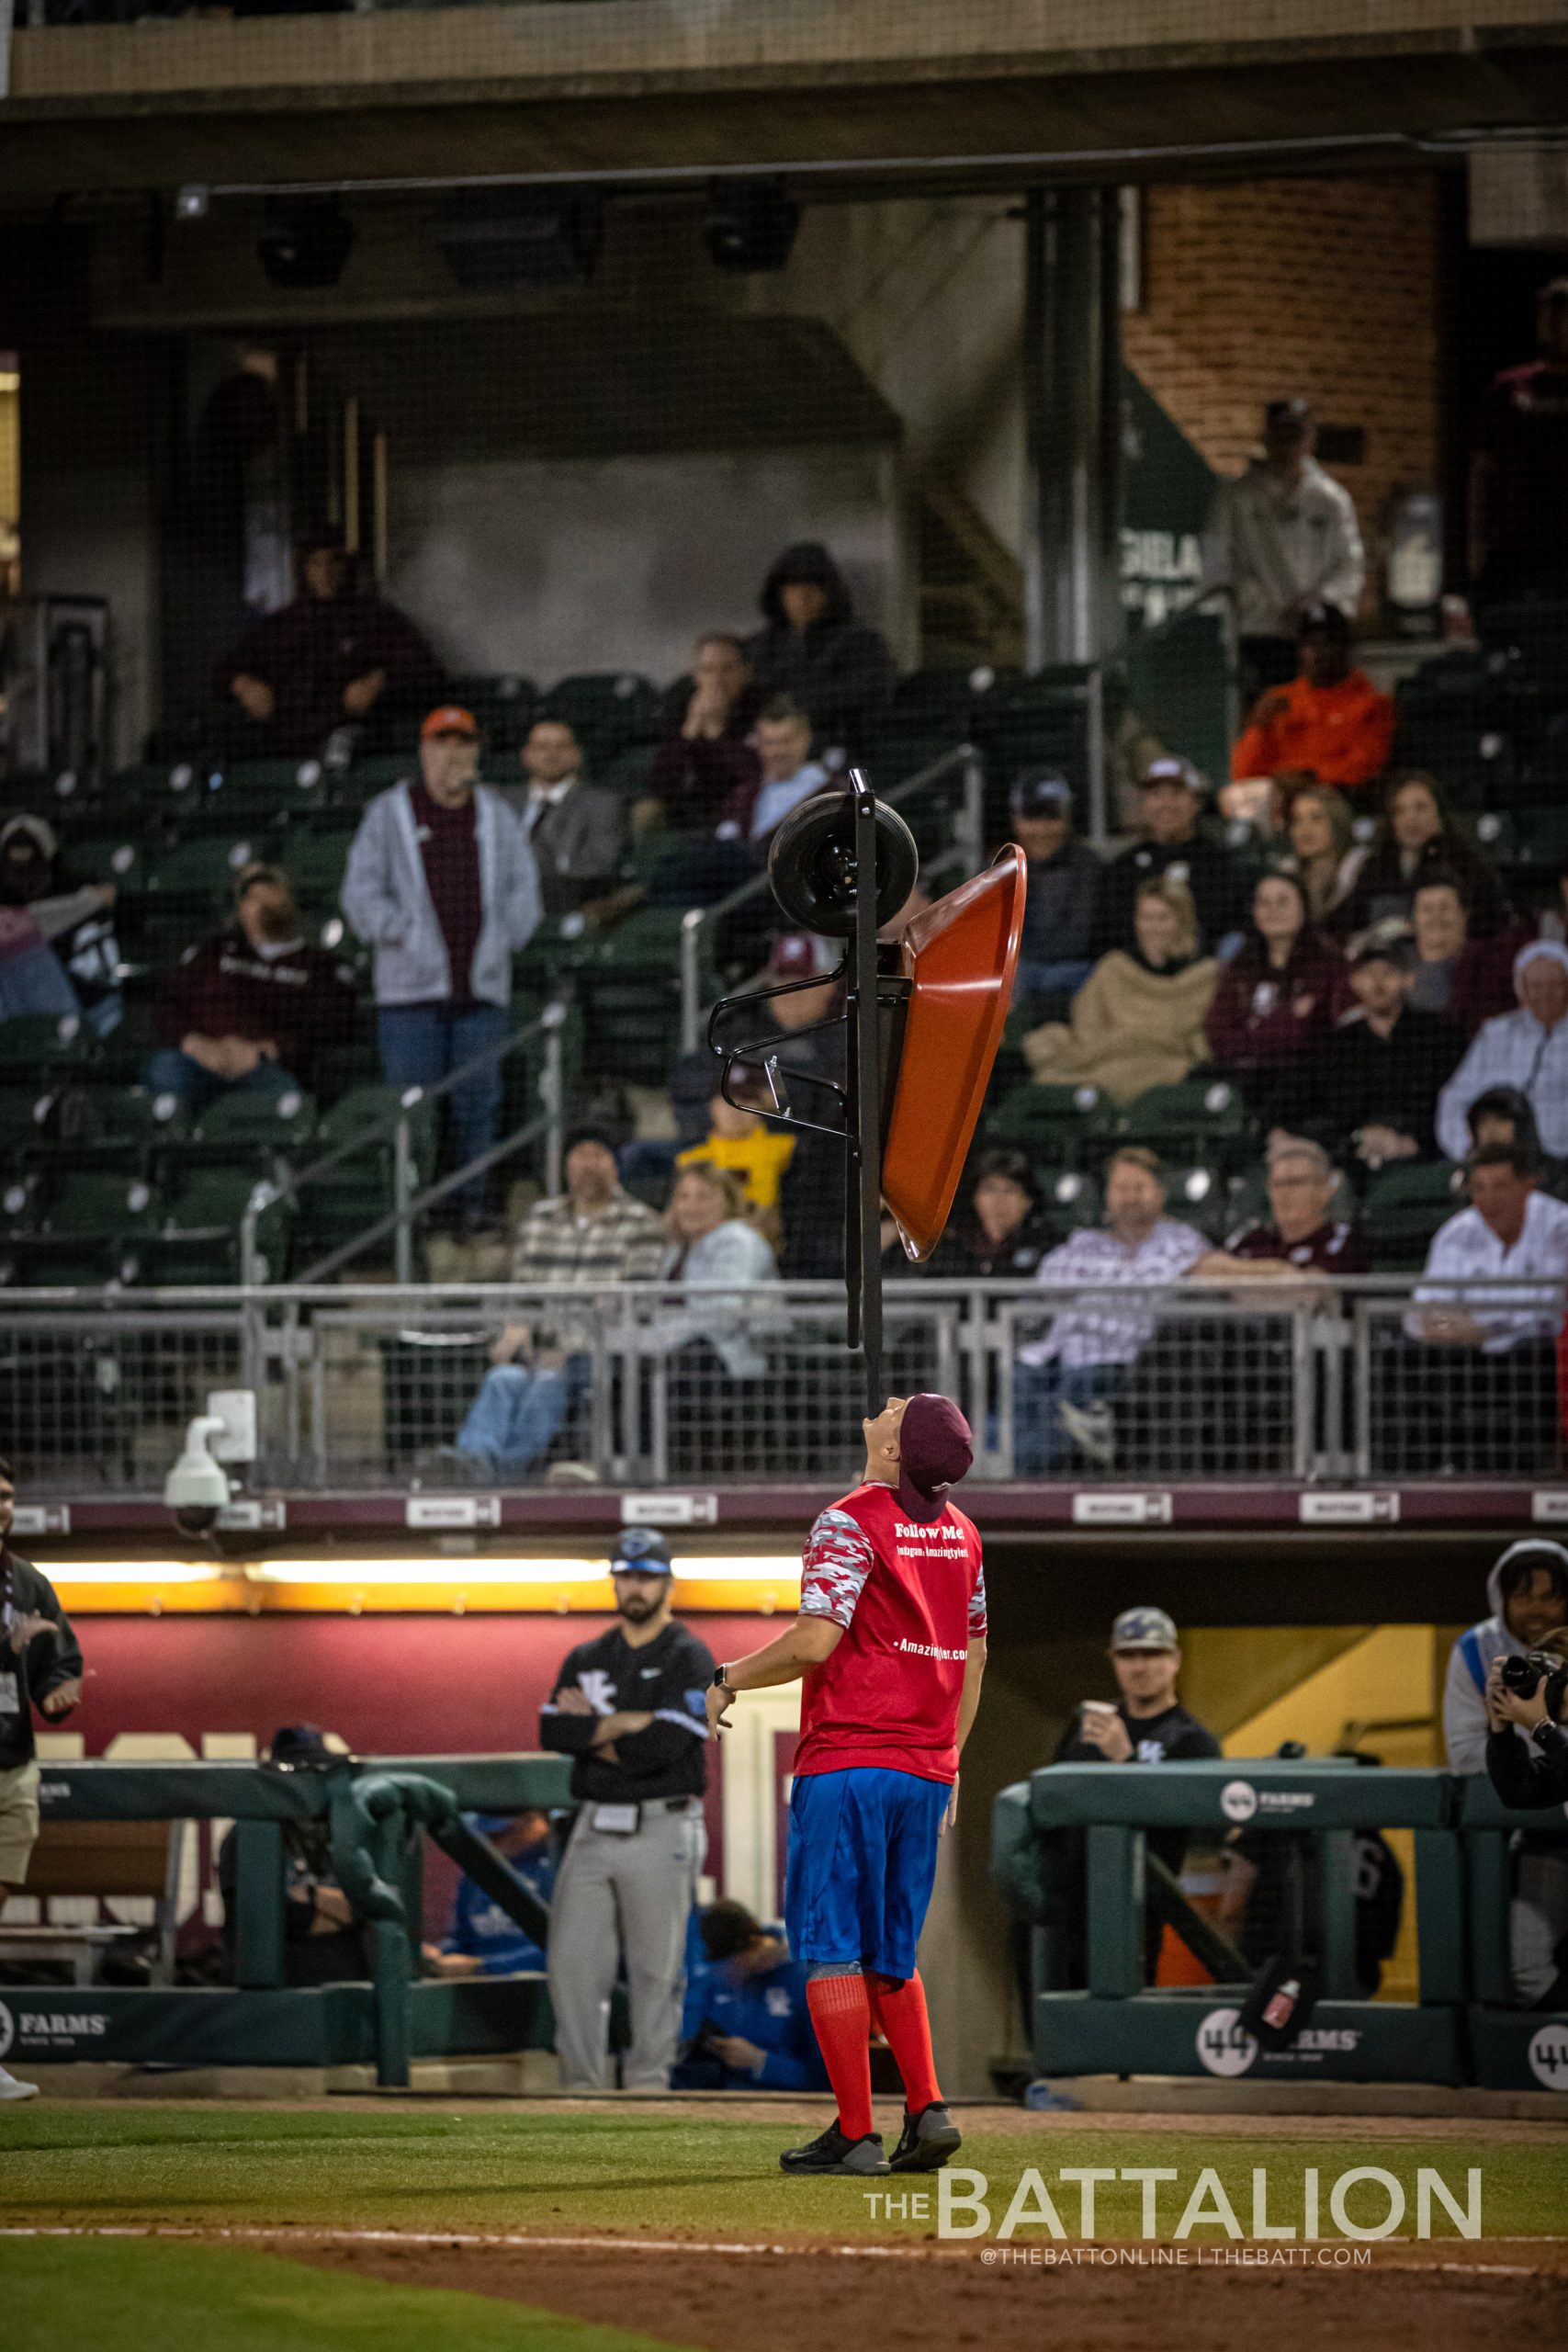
(1138, 1020)
(485, 1940)
(1304, 1235)
(1528, 1594)
(1469, 979)
(1472, 1385)
(746, 2024)
(1330, 725)
(443, 885)
(1064, 1383)
(1503, 1115)
(74, 927)
(576, 830)
(1283, 538)
(252, 1007)
(814, 651)
(1527, 1048)
(328, 660)
(811, 1060)
(1061, 914)
(1325, 852)
(1416, 839)
(1276, 1003)
(1002, 1231)
(1384, 1065)
(698, 874)
(715, 1251)
(593, 1236)
(739, 1139)
(1518, 472)
(707, 752)
(1171, 794)
(322, 1943)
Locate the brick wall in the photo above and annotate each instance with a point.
(1323, 286)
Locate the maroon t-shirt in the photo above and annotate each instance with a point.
(449, 845)
(1328, 1248)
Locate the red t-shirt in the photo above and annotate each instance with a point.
(911, 1595)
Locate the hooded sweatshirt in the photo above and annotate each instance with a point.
(1464, 1704)
(839, 672)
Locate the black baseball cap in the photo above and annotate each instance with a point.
(1041, 792)
(644, 1548)
(1296, 413)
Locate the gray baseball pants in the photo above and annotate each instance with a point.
(614, 1892)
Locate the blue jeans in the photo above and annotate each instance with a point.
(421, 1043)
(35, 981)
(518, 1411)
(1036, 980)
(170, 1071)
(1040, 1444)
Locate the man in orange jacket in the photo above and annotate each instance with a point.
(1330, 725)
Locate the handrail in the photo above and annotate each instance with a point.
(970, 827)
(407, 1204)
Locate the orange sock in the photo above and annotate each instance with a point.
(901, 2013)
(840, 2014)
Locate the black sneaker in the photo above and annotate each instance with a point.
(831, 2151)
(927, 2140)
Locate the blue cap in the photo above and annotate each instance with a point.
(644, 1548)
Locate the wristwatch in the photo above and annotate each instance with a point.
(720, 1680)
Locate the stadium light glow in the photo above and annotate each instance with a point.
(151, 1572)
(768, 1570)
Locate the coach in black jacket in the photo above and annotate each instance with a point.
(631, 1710)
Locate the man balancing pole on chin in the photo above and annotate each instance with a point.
(890, 1645)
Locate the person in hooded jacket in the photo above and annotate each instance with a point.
(814, 650)
(55, 922)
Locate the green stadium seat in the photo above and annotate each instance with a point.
(314, 857)
(629, 772)
(126, 1127)
(350, 1197)
(1198, 1119)
(34, 1044)
(243, 1126)
(1534, 630)
(368, 776)
(111, 856)
(1072, 1199)
(1056, 1126)
(197, 1239)
(629, 988)
(1495, 832)
(81, 1226)
(1540, 838)
(1402, 1208)
(1199, 1195)
(504, 706)
(606, 710)
(205, 868)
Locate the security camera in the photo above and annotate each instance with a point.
(197, 1487)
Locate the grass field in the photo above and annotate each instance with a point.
(691, 2188)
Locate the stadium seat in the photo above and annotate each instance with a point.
(504, 706)
(1199, 1195)
(126, 1127)
(197, 1239)
(113, 854)
(246, 1126)
(350, 1197)
(372, 775)
(606, 710)
(314, 857)
(629, 772)
(1056, 1126)
(1402, 1208)
(630, 991)
(1072, 1199)
(1200, 1119)
(33, 1045)
(81, 1226)
(204, 867)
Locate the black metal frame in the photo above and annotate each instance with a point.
(876, 1000)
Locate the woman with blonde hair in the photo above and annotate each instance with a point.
(1324, 854)
(1138, 1018)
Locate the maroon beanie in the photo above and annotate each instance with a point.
(935, 1450)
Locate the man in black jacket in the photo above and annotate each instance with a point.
(631, 1710)
(40, 1666)
(1527, 1763)
(1386, 1065)
(814, 650)
(1171, 842)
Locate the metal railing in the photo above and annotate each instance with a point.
(386, 1387)
(699, 924)
(408, 1203)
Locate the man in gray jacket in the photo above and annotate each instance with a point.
(442, 883)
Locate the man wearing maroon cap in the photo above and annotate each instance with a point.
(441, 882)
(890, 1645)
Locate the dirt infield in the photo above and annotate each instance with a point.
(798, 2301)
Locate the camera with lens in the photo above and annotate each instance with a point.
(1524, 1676)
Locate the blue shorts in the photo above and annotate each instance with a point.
(862, 1852)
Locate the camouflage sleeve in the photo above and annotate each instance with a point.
(977, 1604)
(837, 1561)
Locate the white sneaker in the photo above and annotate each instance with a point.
(1091, 1430)
(11, 2088)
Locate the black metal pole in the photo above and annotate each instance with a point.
(865, 1204)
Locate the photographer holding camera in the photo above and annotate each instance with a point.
(1527, 1762)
